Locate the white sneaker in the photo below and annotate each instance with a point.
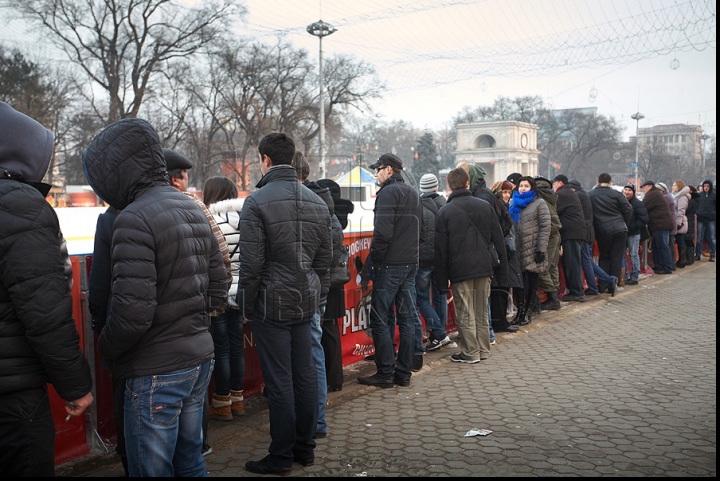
(208, 451)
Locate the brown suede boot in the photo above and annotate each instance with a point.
(220, 408)
(238, 408)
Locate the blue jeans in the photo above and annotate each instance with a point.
(227, 334)
(490, 328)
(603, 277)
(285, 352)
(633, 243)
(393, 284)
(661, 250)
(163, 422)
(318, 355)
(588, 264)
(705, 228)
(435, 313)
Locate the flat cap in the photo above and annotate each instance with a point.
(175, 160)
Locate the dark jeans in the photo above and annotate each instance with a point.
(27, 434)
(661, 251)
(435, 312)
(393, 284)
(612, 252)
(227, 334)
(572, 266)
(285, 352)
(705, 229)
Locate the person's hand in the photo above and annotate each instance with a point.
(539, 257)
(77, 407)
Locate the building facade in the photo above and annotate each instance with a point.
(680, 140)
(499, 147)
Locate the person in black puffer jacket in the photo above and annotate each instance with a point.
(168, 275)
(39, 342)
(706, 220)
(285, 258)
(435, 313)
(611, 213)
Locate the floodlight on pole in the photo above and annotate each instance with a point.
(321, 29)
(703, 137)
(637, 116)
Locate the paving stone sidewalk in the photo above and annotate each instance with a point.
(622, 386)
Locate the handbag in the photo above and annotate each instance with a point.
(340, 272)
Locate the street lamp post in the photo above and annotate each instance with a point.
(703, 137)
(637, 116)
(321, 29)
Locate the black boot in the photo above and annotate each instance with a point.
(527, 317)
(689, 255)
(519, 315)
(681, 257)
(552, 303)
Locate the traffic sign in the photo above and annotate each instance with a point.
(634, 165)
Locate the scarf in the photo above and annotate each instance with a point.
(519, 202)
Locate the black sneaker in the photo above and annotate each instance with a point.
(458, 357)
(631, 282)
(264, 466)
(417, 363)
(376, 380)
(437, 344)
(612, 288)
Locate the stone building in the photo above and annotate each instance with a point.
(680, 140)
(499, 147)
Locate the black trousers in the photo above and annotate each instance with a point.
(27, 434)
(612, 251)
(333, 354)
(572, 266)
(498, 307)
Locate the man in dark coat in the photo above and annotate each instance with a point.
(706, 220)
(466, 231)
(435, 313)
(285, 258)
(39, 343)
(587, 247)
(636, 225)
(168, 275)
(611, 213)
(572, 235)
(660, 222)
(550, 279)
(395, 255)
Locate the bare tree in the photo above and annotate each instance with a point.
(121, 44)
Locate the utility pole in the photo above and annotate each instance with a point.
(321, 29)
(637, 116)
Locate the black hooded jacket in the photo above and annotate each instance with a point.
(39, 342)
(707, 205)
(285, 249)
(167, 269)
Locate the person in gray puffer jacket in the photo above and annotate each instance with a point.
(168, 275)
(39, 342)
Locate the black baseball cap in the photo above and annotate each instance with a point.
(388, 159)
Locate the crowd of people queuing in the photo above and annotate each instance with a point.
(174, 279)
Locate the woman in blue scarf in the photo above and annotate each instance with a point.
(532, 217)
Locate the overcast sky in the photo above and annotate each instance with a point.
(438, 56)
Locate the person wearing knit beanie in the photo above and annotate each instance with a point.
(428, 183)
(514, 177)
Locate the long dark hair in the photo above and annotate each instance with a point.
(217, 189)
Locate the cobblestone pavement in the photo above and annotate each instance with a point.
(622, 386)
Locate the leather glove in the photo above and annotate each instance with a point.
(539, 257)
